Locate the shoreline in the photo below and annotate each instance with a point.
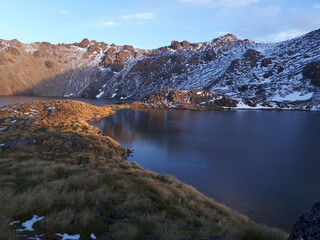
(72, 148)
(140, 104)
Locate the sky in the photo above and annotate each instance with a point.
(155, 23)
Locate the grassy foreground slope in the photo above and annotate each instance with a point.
(54, 164)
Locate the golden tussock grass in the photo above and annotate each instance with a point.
(54, 164)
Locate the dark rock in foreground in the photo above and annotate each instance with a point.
(308, 226)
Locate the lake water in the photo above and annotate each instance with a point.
(264, 164)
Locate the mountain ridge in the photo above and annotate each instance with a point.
(284, 71)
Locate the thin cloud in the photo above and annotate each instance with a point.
(106, 24)
(141, 16)
(196, 1)
(268, 11)
(317, 6)
(220, 3)
(222, 33)
(232, 3)
(64, 11)
(285, 35)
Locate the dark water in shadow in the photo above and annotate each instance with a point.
(263, 164)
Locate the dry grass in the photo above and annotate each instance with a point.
(57, 166)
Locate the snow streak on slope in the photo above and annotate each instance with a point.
(238, 68)
(285, 71)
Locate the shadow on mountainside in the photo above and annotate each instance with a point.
(79, 82)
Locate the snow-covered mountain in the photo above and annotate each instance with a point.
(285, 71)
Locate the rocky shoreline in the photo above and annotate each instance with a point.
(197, 99)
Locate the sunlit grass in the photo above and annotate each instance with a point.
(56, 165)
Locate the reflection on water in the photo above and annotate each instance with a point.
(263, 164)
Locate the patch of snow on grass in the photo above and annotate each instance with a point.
(14, 222)
(36, 237)
(29, 223)
(93, 236)
(68, 237)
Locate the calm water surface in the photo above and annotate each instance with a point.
(264, 164)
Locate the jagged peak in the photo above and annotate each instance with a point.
(84, 43)
(227, 38)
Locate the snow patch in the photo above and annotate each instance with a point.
(14, 222)
(113, 95)
(242, 105)
(100, 94)
(93, 236)
(295, 96)
(36, 237)
(68, 237)
(28, 225)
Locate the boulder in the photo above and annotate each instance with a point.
(123, 56)
(49, 64)
(308, 225)
(312, 72)
(266, 62)
(252, 55)
(185, 44)
(117, 67)
(106, 61)
(175, 45)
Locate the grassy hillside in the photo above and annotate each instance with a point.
(54, 164)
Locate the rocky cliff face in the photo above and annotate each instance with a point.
(194, 99)
(197, 99)
(285, 72)
(308, 225)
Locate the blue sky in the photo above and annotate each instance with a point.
(154, 23)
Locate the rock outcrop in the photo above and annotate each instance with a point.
(285, 72)
(308, 226)
(194, 99)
